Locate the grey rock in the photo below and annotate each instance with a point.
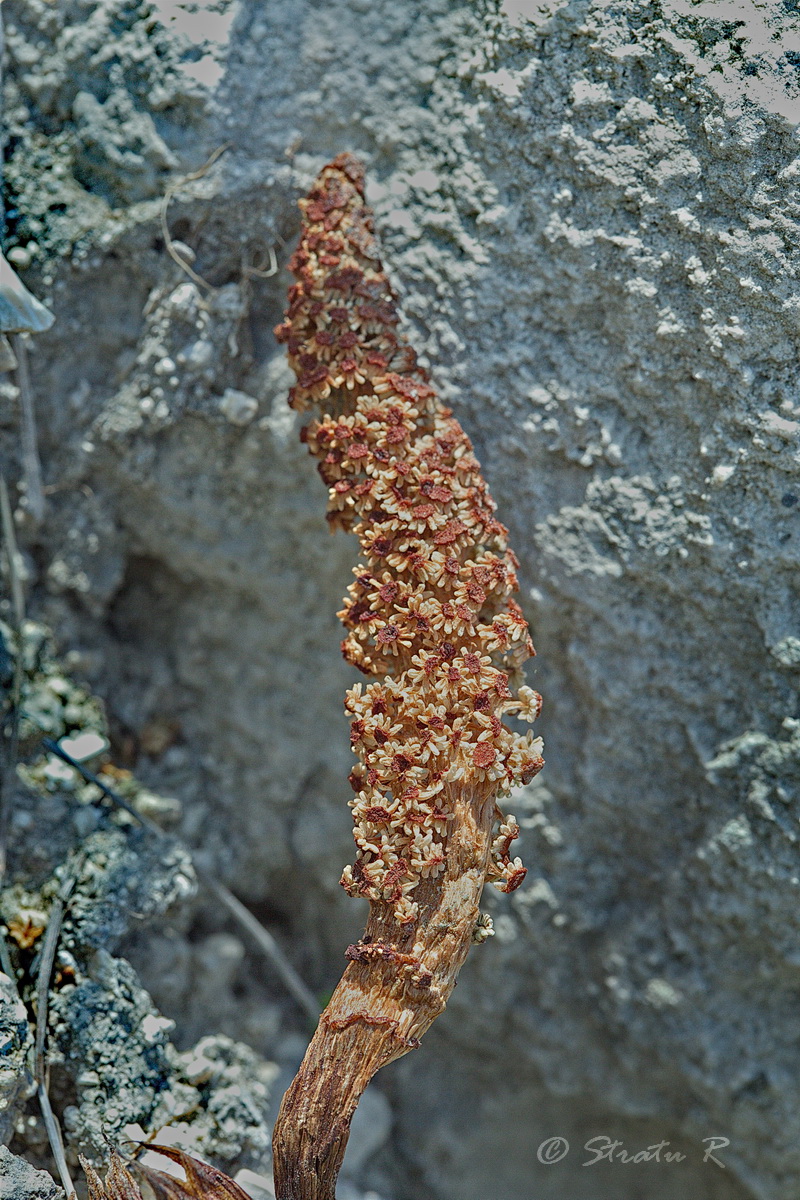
(348, 1191)
(237, 407)
(258, 1187)
(129, 873)
(15, 1043)
(114, 1045)
(369, 1132)
(129, 1079)
(115, 1072)
(20, 1181)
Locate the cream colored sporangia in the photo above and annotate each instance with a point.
(429, 615)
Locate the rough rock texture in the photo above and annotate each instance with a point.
(14, 1044)
(590, 211)
(20, 1181)
(114, 1072)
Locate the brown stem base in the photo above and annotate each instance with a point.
(397, 983)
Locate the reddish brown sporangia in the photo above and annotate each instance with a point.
(431, 623)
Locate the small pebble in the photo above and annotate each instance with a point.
(154, 1029)
(57, 771)
(238, 407)
(19, 256)
(83, 746)
(259, 1187)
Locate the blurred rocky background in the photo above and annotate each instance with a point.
(590, 212)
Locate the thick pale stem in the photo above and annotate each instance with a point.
(397, 983)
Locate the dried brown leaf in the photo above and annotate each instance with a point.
(164, 1187)
(202, 1181)
(119, 1184)
(96, 1189)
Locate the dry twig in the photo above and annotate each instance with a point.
(267, 944)
(168, 194)
(31, 466)
(10, 727)
(56, 1144)
(46, 961)
(21, 313)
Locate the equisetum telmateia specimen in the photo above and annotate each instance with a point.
(431, 623)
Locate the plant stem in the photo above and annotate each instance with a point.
(30, 451)
(377, 1012)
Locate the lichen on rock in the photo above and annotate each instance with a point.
(114, 1072)
(20, 1181)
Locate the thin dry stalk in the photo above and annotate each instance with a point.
(56, 1144)
(267, 944)
(46, 961)
(10, 543)
(10, 728)
(31, 466)
(431, 620)
(165, 231)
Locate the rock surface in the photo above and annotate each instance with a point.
(14, 1044)
(590, 212)
(114, 1073)
(20, 1181)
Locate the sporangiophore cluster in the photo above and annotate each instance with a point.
(429, 615)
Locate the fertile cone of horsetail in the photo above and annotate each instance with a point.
(431, 623)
